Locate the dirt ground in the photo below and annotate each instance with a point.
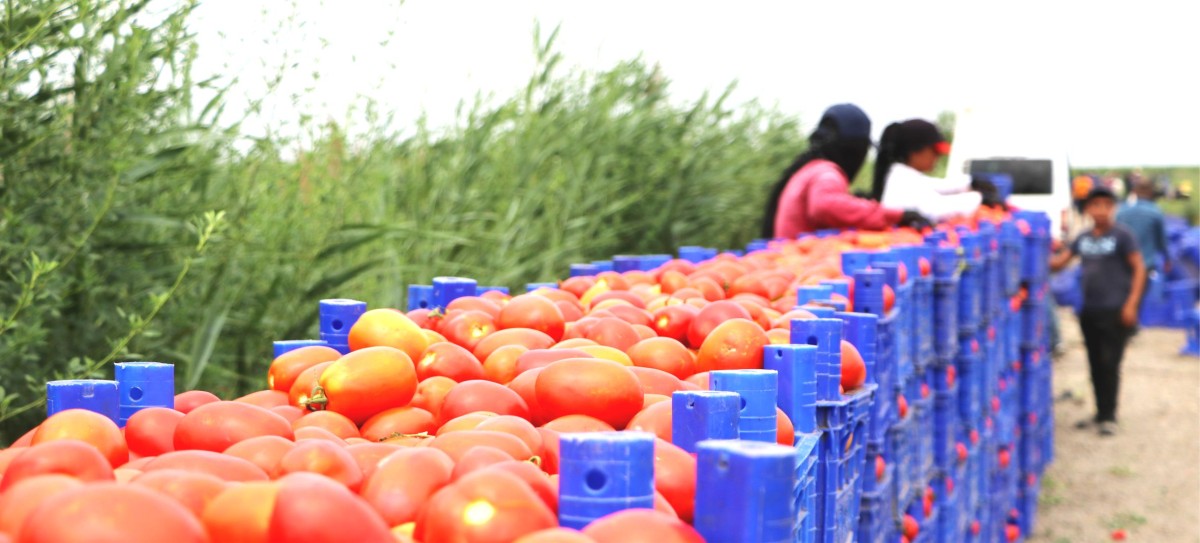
(1146, 479)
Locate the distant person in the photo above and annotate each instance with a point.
(813, 193)
(908, 151)
(1113, 277)
(1142, 216)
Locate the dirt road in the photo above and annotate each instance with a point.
(1146, 479)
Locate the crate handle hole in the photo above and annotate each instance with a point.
(337, 324)
(135, 393)
(595, 480)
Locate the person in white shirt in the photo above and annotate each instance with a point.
(908, 151)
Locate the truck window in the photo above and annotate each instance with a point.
(1029, 176)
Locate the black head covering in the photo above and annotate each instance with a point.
(842, 137)
(898, 141)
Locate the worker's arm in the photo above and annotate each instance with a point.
(831, 206)
(1061, 259)
(1129, 313)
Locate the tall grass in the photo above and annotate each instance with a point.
(107, 176)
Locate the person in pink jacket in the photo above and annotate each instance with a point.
(814, 192)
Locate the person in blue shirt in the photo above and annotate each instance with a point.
(1145, 220)
(1113, 277)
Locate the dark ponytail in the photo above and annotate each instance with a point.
(887, 155)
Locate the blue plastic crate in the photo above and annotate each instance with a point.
(972, 379)
(842, 455)
(876, 520)
(903, 439)
(868, 334)
(945, 317)
(1027, 503)
(929, 524)
(945, 429)
(1033, 324)
(949, 508)
(923, 320)
(805, 493)
(905, 324)
(1032, 444)
(1011, 250)
(925, 411)
(970, 291)
(872, 483)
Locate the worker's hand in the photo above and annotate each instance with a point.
(1129, 316)
(914, 220)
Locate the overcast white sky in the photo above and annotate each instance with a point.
(1122, 78)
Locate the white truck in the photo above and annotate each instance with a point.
(1023, 143)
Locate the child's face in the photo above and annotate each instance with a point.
(1101, 210)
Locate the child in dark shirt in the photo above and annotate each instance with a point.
(1113, 278)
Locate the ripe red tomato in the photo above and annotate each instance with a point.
(404, 480)
(641, 526)
(854, 370)
(632, 315)
(366, 382)
(675, 477)
(323, 458)
(605, 390)
(488, 505)
(785, 432)
(663, 353)
(368, 455)
(398, 420)
(475, 303)
(449, 360)
(313, 432)
(1012, 533)
(431, 393)
(880, 468)
(951, 376)
(902, 405)
(540, 358)
(288, 366)
(472, 396)
(65, 457)
(224, 466)
(614, 332)
(924, 266)
(339, 515)
(192, 490)
(337, 424)
(700, 380)
(712, 316)
(456, 444)
(266, 452)
(216, 426)
(86, 426)
(910, 527)
(388, 328)
(961, 450)
(266, 399)
(477, 459)
(304, 384)
(106, 511)
(465, 422)
(555, 535)
(654, 418)
(549, 453)
(185, 402)
(242, 513)
(468, 328)
(674, 321)
(784, 321)
(656, 381)
(19, 500)
(525, 337)
(735, 344)
(151, 431)
(889, 299)
(534, 312)
(524, 386)
(578, 423)
(290, 413)
(520, 428)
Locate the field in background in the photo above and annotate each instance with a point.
(110, 175)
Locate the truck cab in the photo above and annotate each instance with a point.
(1024, 147)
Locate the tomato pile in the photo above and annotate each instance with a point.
(439, 425)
